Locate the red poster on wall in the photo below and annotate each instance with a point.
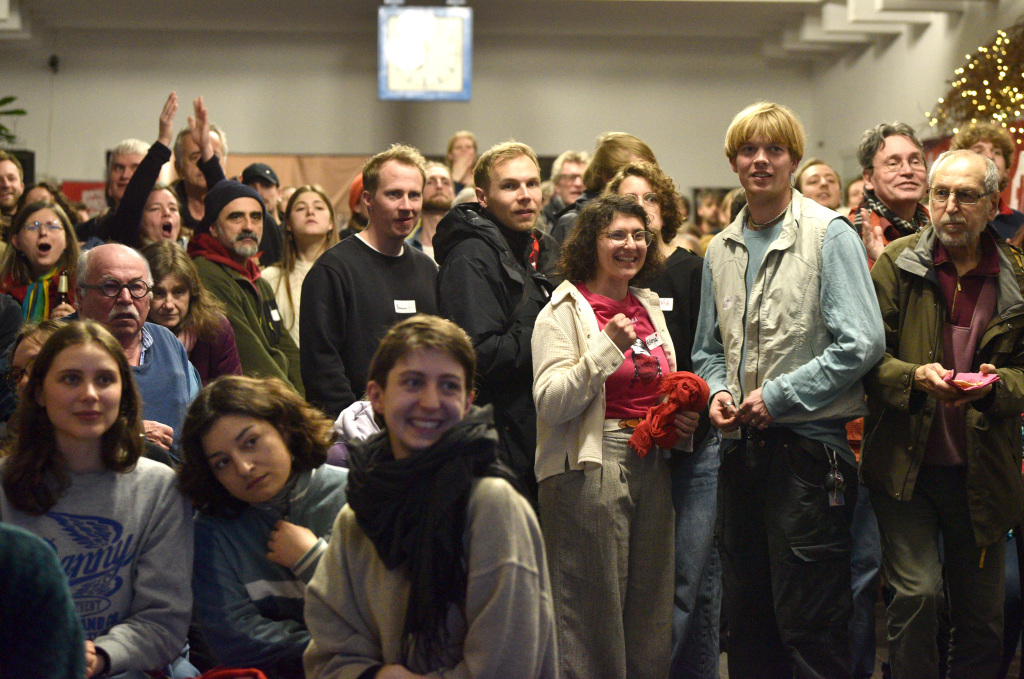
(93, 194)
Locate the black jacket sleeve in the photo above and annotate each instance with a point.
(473, 293)
(123, 227)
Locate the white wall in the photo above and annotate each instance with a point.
(299, 93)
(553, 96)
(903, 79)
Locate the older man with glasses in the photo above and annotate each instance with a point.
(942, 452)
(115, 289)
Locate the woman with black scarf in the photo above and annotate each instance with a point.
(436, 564)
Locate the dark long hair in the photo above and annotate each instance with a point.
(306, 431)
(35, 473)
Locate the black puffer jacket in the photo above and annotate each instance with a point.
(487, 285)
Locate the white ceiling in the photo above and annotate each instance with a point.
(778, 29)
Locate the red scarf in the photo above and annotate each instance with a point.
(205, 245)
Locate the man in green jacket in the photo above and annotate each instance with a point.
(225, 254)
(942, 458)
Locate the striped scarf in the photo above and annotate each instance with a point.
(36, 305)
(905, 228)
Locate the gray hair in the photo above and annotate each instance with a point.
(85, 259)
(568, 157)
(874, 138)
(991, 180)
(179, 145)
(127, 147)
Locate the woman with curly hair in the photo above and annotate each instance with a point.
(309, 231)
(182, 304)
(698, 590)
(253, 467)
(73, 475)
(600, 349)
(42, 246)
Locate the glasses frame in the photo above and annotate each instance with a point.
(36, 226)
(110, 282)
(885, 167)
(647, 239)
(953, 194)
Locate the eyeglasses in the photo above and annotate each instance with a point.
(620, 237)
(111, 288)
(646, 199)
(35, 227)
(963, 196)
(12, 377)
(894, 165)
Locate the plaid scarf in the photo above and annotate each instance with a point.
(872, 204)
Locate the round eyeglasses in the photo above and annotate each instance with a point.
(111, 288)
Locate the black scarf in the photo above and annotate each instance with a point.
(871, 202)
(414, 512)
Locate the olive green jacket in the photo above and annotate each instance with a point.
(265, 348)
(897, 428)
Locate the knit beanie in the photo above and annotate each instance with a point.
(222, 193)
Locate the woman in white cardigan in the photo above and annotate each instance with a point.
(599, 350)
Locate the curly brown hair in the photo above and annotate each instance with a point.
(668, 198)
(35, 473)
(306, 431)
(579, 253)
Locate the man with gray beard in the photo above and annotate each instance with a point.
(224, 252)
(115, 288)
(942, 450)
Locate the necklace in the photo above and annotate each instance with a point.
(754, 225)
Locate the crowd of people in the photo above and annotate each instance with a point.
(242, 434)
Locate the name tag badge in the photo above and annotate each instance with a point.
(275, 316)
(666, 303)
(405, 306)
(653, 341)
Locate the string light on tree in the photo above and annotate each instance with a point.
(987, 87)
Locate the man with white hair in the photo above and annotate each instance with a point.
(115, 288)
(942, 451)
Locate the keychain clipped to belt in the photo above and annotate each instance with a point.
(835, 484)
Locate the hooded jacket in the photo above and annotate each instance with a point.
(487, 285)
(900, 419)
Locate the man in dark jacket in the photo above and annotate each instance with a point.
(942, 457)
(487, 285)
(224, 253)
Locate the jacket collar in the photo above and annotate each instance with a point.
(205, 245)
(918, 260)
(790, 224)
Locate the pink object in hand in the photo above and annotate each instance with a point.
(970, 381)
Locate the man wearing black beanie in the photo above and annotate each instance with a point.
(224, 250)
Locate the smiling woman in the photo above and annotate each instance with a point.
(600, 349)
(43, 244)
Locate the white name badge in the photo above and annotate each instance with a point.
(274, 315)
(653, 341)
(666, 303)
(405, 306)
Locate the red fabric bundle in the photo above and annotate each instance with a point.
(683, 391)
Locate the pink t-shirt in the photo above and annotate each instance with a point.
(633, 388)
